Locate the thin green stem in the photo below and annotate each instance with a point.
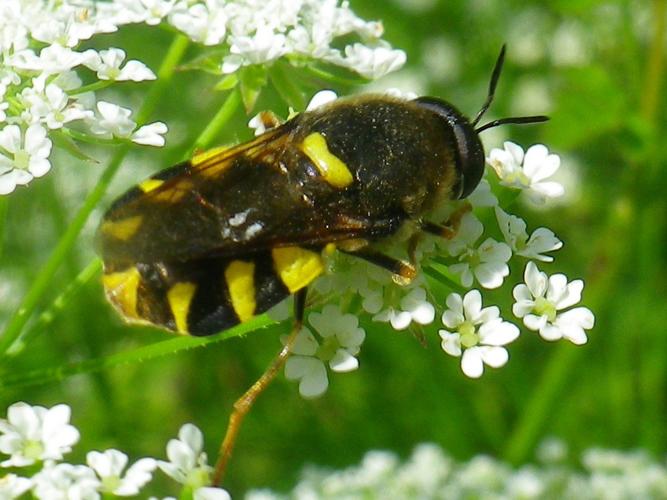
(61, 301)
(99, 85)
(173, 345)
(655, 67)
(218, 122)
(4, 202)
(43, 279)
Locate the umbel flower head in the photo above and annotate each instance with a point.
(478, 335)
(541, 299)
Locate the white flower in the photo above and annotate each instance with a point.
(482, 196)
(156, 10)
(113, 121)
(65, 482)
(107, 64)
(187, 460)
(13, 486)
(203, 23)
(527, 172)
(151, 134)
(477, 335)
(514, 230)
(262, 47)
(541, 297)
(51, 60)
(109, 466)
(51, 105)
(34, 433)
(413, 307)
(487, 263)
(321, 98)
(22, 158)
(210, 493)
(371, 62)
(341, 340)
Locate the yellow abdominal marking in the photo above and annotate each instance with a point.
(150, 184)
(297, 267)
(332, 168)
(240, 278)
(179, 297)
(122, 229)
(121, 289)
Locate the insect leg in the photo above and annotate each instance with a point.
(402, 272)
(449, 228)
(243, 405)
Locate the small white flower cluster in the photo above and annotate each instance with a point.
(255, 32)
(431, 473)
(41, 89)
(476, 334)
(38, 437)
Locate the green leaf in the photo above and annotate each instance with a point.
(65, 142)
(227, 82)
(210, 62)
(283, 80)
(252, 80)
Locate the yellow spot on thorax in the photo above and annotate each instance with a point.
(122, 229)
(296, 266)
(150, 184)
(240, 278)
(121, 289)
(332, 168)
(179, 297)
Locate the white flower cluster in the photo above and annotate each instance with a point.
(42, 72)
(476, 334)
(431, 473)
(261, 31)
(41, 89)
(39, 437)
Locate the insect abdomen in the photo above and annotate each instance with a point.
(205, 296)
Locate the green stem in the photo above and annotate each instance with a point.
(4, 202)
(653, 88)
(61, 301)
(99, 85)
(45, 276)
(141, 354)
(218, 122)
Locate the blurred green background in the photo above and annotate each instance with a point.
(596, 68)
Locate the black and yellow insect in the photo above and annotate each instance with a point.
(215, 240)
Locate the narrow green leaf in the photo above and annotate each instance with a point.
(284, 83)
(227, 82)
(66, 142)
(252, 80)
(166, 347)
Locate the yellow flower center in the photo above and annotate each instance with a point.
(469, 337)
(543, 307)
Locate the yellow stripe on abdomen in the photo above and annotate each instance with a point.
(240, 279)
(296, 266)
(122, 290)
(179, 297)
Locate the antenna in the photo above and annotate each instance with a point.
(514, 119)
(492, 84)
(489, 99)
